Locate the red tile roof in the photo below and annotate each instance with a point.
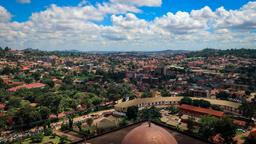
(24, 68)
(27, 86)
(201, 110)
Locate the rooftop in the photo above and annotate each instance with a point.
(201, 110)
(27, 86)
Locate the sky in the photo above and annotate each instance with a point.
(127, 25)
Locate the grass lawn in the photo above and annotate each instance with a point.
(46, 139)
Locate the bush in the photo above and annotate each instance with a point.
(173, 110)
(48, 132)
(63, 139)
(64, 127)
(123, 122)
(37, 138)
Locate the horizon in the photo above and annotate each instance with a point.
(136, 51)
(133, 25)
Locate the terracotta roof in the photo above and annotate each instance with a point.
(201, 110)
(24, 68)
(28, 86)
(149, 134)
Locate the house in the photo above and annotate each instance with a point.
(27, 86)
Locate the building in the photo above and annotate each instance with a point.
(227, 106)
(27, 86)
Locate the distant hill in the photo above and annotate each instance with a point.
(140, 53)
(248, 53)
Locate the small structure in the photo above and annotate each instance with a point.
(197, 111)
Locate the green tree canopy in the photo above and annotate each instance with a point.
(132, 112)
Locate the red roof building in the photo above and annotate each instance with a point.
(200, 111)
(27, 86)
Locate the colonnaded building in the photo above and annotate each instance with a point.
(227, 106)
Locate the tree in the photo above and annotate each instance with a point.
(36, 75)
(68, 79)
(132, 112)
(191, 124)
(216, 107)
(79, 125)
(48, 132)
(165, 93)
(54, 102)
(14, 102)
(151, 113)
(63, 139)
(26, 116)
(223, 95)
(96, 100)
(206, 129)
(2, 84)
(173, 110)
(44, 112)
(7, 49)
(248, 109)
(89, 121)
(123, 122)
(226, 128)
(201, 103)
(186, 100)
(146, 94)
(70, 121)
(196, 103)
(48, 81)
(37, 138)
(210, 126)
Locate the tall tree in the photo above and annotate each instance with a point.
(186, 100)
(132, 112)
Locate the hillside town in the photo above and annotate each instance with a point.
(75, 97)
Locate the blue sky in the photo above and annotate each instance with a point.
(21, 12)
(129, 25)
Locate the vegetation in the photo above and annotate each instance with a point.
(151, 113)
(247, 53)
(196, 102)
(248, 109)
(210, 126)
(132, 113)
(186, 100)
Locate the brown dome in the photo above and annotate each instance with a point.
(146, 134)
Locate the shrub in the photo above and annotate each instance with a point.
(48, 132)
(64, 127)
(63, 139)
(37, 138)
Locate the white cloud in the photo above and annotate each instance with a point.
(78, 27)
(242, 19)
(5, 16)
(150, 3)
(24, 1)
